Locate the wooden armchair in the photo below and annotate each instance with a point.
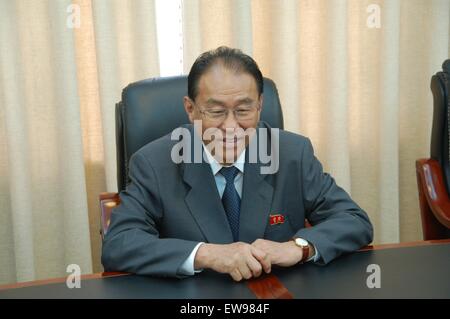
(433, 174)
(107, 203)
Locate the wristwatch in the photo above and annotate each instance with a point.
(304, 245)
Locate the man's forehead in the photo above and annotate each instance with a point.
(219, 79)
(241, 98)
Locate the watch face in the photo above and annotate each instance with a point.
(301, 242)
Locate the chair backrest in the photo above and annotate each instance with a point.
(440, 134)
(152, 108)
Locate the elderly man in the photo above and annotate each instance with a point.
(222, 213)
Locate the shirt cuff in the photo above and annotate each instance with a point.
(187, 268)
(314, 257)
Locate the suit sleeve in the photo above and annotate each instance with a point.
(339, 225)
(132, 243)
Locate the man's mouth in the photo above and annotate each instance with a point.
(233, 140)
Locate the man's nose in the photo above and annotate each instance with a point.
(230, 121)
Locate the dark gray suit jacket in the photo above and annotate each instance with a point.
(168, 208)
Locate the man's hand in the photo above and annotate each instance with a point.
(239, 260)
(282, 254)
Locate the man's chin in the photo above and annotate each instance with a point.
(229, 146)
(228, 152)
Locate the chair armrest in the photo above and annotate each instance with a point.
(108, 201)
(433, 187)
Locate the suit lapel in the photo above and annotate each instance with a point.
(255, 205)
(257, 193)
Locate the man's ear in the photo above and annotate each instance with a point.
(189, 108)
(261, 100)
(260, 104)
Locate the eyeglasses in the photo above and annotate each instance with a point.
(220, 114)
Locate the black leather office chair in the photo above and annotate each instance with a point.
(153, 108)
(433, 174)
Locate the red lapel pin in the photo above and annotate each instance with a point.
(276, 219)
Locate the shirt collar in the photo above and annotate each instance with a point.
(216, 166)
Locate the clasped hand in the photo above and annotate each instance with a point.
(244, 261)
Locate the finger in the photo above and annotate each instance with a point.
(268, 263)
(245, 271)
(263, 258)
(255, 266)
(236, 275)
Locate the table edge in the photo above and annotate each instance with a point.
(116, 274)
